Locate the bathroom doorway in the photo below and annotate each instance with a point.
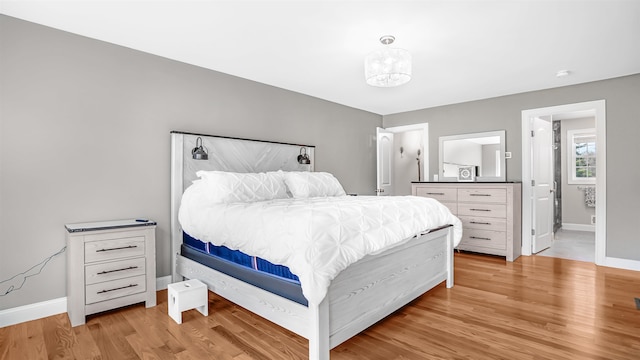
(573, 202)
(531, 214)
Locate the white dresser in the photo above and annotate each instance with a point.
(109, 264)
(490, 214)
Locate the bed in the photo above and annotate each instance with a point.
(337, 302)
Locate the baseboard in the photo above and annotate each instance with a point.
(32, 311)
(163, 282)
(622, 263)
(43, 309)
(579, 227)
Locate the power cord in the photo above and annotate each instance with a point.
(8, 286)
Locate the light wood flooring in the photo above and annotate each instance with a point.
(535, 308)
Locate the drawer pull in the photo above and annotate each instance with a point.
(479, 238)
(479, 223)
(479, 209)
(118, 248)
(432, 193)
(112, 271)
(119, 288)
(479, 194)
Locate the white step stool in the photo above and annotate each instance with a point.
(187, 295)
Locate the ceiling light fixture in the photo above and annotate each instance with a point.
(388, 66)
(562, 73)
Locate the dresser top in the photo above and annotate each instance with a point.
(466, 182)
(105, 225)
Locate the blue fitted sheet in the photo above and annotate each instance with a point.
(274, 278)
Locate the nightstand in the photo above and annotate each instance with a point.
(110, 264)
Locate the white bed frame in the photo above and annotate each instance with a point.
(357, 298)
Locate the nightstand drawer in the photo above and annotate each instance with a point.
(114, 270)
(440, 194)
(484, 210)
(111, 249)
(483, 223)
(484, 238)
(496, 196)
(115, 288)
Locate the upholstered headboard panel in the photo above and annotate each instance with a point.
(240, 155)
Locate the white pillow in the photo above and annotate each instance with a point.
(305, 184)
(228, 187)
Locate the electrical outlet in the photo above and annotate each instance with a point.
(637, 303)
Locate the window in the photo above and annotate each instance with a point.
(582, 156)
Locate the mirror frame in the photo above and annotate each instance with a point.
(503, 162)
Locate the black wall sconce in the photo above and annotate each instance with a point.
(198, 152)
(303, 158)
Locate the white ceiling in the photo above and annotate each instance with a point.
(462, 50)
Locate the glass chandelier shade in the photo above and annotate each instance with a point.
(388, 66)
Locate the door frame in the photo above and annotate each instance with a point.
(599, 107)
(380, 187)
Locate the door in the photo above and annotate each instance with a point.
(384, 162)
(542, 176)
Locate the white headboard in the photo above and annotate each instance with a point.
(226, 154)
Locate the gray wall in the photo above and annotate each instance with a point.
(84, 136)
(574, 210)
(623, 126)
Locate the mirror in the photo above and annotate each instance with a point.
(473, 157)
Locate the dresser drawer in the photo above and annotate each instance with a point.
(115, 289)
(484, 238)
(453, 207)
(496, 196)
(114, 270)
(483, 210)
(440, 194)
(483, 223)
(116, 248)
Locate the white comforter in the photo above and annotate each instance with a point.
(318, 237)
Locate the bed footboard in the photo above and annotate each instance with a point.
(358, 297)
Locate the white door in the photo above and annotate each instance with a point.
(385, 162)
(542, 176)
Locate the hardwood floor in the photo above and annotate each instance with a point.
(534, 308)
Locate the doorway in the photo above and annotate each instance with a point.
(531, 210)
(402, 157)
(574, 168)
